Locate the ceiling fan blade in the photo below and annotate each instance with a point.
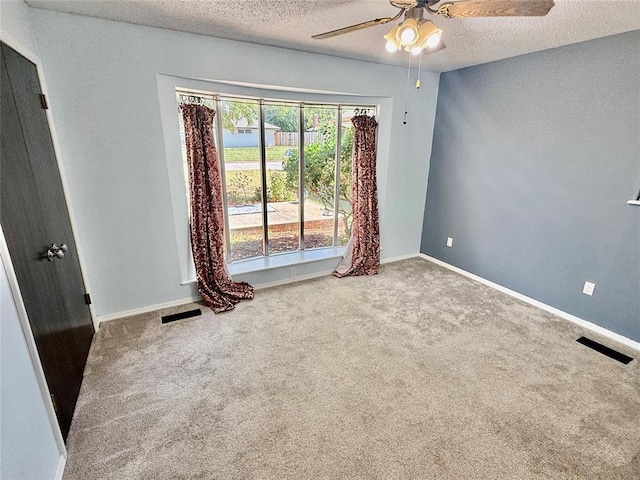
(357, 26)
(496, 8)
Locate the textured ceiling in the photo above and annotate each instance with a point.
(290, 24)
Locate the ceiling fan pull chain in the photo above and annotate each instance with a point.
(406, 92)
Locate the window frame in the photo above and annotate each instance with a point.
(217, 99)
(178, 239)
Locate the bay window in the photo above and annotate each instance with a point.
(286, 169)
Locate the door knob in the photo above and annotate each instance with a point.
(56, 251)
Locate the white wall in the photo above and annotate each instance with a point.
(15, 25)
(28, 447)
(101, 78)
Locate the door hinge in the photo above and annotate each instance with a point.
(87, 299)
(53, 401)
(43, 101)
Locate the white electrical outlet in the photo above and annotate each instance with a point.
(292, 272)
(588, 288)
(449, 241)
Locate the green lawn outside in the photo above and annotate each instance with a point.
(252, 154)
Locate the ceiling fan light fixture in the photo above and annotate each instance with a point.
(415, 50)
(433, 40)
(407, 32)
(392, 42)
(429, 35)
(391, 47)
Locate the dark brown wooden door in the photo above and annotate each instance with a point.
(34, 215)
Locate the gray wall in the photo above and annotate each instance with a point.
(533, 160)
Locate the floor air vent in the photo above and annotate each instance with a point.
(181, 315)
(598, 347)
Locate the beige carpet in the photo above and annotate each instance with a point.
(416, 373)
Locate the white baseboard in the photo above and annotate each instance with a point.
(398, 258)
(258, 286)
(562, 314)
(60, 470)
(197, 298)
(147, 309)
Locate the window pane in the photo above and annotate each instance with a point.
(345, 215)
(281, 140)
(242, 172)
(319, 175)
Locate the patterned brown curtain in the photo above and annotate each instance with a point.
(362, 256)
(218, 290)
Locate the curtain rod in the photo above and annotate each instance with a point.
(213, 96)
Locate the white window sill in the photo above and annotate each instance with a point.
(281, 260)
(634, 202)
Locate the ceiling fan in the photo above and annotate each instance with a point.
(415, 34)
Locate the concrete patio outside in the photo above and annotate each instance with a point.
(285, 213)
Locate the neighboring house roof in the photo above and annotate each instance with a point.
(243, 124)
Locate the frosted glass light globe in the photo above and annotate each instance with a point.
(407, 32)
(391, 47)
(433, 40)
(408, 35)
